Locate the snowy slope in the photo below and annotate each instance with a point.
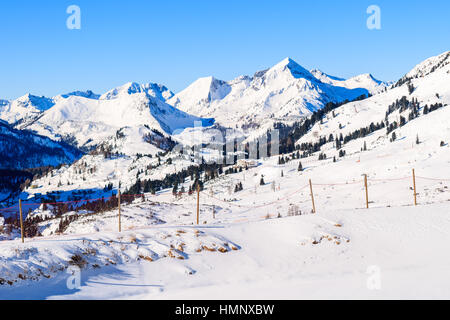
(21, 149)
(429, 66)
(429, 88)
(283, 91)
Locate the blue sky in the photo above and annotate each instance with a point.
(174, 42)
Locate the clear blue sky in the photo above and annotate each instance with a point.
(175, 42)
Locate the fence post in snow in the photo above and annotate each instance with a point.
(367, 191)
(414, 184)
(312, 196)
(198, 202)
(21, 221)
(120, 217)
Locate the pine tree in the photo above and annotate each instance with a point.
(261, 182)
(175, 188)
(411, 88)
(394, 137)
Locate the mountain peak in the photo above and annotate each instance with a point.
(203, 90)
(85, 94)
(152, 89)
(296, 70)
(286, 61)
(40, 103)
(365, 76)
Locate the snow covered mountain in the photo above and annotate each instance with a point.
(427, 67)
(414, 109)
(21, 149)
(152, 89)
(88, 122)
(270, 221)
(25, 108)
(286, 90)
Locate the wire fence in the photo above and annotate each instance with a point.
(114, 202)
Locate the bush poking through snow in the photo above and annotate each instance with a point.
(78, 260)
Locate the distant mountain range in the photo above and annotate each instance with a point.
(286, 90)
(85, 120)
(126, 134)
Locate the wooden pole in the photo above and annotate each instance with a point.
(198, 202)
(367, 191)
(120, 216)
(21, 221)
(415, 190)
(312, 196)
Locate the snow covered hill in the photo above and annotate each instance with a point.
(404, 110)
(284, 91)
(429, 66)
(20, 149)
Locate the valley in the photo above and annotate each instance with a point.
(284, 223)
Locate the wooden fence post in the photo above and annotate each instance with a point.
(414, 183)
(120, 215)
(312, 196)
(367, 191)
(198, 202)
(21, 221)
